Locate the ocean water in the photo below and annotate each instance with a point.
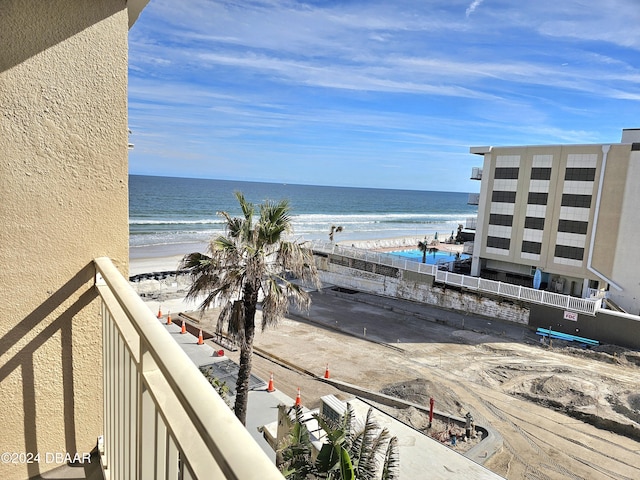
(173, 211)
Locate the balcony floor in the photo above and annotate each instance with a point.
(89, 471)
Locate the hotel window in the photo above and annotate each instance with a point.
(534, 223)
(580, 174)
(531, 247)
(538, 173)
(503, 197)
(580, 201)
(573, 253)
(571, 226)
(537, 198)
(498, 242)
(495, 219)
(506, 173)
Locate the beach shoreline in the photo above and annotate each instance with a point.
(160, 258)
(165, 258)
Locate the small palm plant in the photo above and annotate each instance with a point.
(347, 454)
(252, 260)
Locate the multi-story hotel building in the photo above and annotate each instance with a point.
(568, 211)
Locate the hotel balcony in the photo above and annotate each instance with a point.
(474, 199)
(476, 173)
(162, 418)
(471, 223)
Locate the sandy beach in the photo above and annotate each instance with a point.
(160, 258)
(164, 258)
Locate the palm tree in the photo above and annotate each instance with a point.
(347, 454)
(252, 259)
(333, 231)
(424, 248)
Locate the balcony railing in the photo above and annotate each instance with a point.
(474, 199)
(471, 223)
(567, 302)
(476, 173)
(162, 418)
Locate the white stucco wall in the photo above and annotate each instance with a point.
(625, 268)
(63, 202)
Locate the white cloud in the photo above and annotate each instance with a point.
(281, 79)
(472, 8)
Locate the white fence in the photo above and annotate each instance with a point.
(471, 223)
(566, 302)
(162, 419)
(476, 173)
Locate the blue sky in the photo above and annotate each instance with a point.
(374, 93)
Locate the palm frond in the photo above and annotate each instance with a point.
(297, 260)
(391, 464)
(275, 302)
(294, 454)
(193, 261)
(246, 207)
(235, 320)
(274, 222)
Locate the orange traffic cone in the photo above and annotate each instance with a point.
(270, 387)
(184, 327)
(298, 399)
(159, 311)
(200, 339)
(169, 318)
(326, 371)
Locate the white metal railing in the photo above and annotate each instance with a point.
(567, 302)
(476, 173)
(162, 419)
(471, 223)
(595, 293)
(473, 199)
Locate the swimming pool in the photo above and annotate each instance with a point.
(432, 258)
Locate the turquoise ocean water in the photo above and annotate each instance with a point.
(166, 211)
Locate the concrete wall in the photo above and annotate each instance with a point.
(425, 292)
(625, 269)
(611, 202)
(606, 326)
(63, 201)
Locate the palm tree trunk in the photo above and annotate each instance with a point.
(250, 301)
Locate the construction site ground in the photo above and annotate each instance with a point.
(563, 412)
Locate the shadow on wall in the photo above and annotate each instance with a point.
(23, 359)
(34, 18)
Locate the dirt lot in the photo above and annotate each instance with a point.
(564, 413)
